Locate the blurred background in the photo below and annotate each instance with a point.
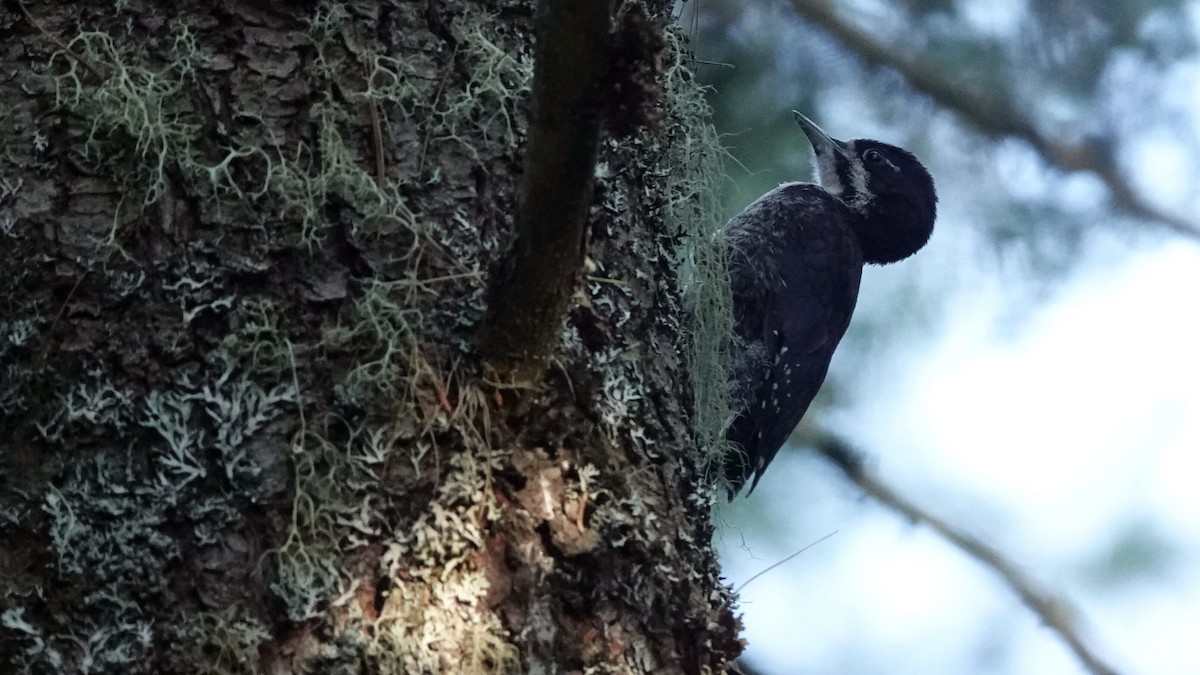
(1032, 376)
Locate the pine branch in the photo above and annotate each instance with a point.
(994, 116)
(1049, 609)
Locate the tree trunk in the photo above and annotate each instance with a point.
(245, 250)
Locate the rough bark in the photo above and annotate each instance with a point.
(243, 427)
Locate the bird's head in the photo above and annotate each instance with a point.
(886, 185)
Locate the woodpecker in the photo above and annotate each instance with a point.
(795, 259)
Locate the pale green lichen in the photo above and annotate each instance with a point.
(111, 543)
(117, 525)
(434, 619)
(150, 106)
(437, 597)
(97, 402)
(143, 103)
(222, 642)
(304, 183)
(105, 528)
(500, 80)
(695, 171)
(36, 654)
(238, 407)
(88, 648)
(202, 423)
(16, 335)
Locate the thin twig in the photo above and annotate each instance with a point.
(607, 280)
(773, 565)
(62, 47)
(377, 136)
(1056, 617)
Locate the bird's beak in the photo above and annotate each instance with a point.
(823, 144)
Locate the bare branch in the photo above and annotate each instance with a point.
(1050, 610)
(994, 116)
(532, 292)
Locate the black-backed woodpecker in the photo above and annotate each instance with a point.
(795, 261)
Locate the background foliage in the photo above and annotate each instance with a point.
(1025, 374)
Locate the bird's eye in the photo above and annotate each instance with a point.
(873, 156)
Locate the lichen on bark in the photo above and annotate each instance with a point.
(243, 423)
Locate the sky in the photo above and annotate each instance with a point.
(1054, 416)
(1062, 440)
(1067, 436)
(1059, 422)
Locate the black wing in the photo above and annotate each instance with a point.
(793, 297)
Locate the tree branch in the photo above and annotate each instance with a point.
(532, 292)
(995, 116)
(1046, 607)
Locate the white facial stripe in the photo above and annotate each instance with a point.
(858, 177)
(827, 177)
